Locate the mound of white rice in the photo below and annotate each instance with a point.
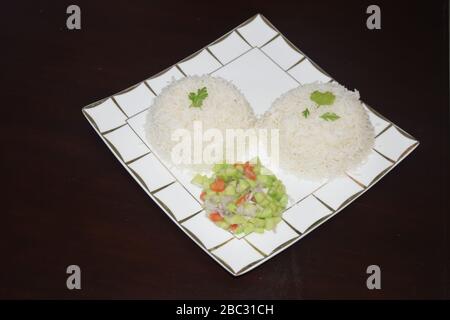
(224, 108)
(311, 147)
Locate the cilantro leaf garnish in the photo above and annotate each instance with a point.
(330, 116)
(197, 98)
(322, 98)
(305, 113)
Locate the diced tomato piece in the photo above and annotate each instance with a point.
(241, 199)
(202, 195)
(218, 185)
(233, 227)
(248, 171)
(215, 216)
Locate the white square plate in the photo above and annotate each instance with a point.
(263, 64)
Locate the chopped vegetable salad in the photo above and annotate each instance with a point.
(242, 197)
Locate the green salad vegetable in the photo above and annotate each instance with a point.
(242, 197)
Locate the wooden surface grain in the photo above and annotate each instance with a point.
(67, 200)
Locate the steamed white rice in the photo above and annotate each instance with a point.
(312, 147)
(224, 108)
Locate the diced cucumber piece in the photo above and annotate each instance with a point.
(239, 229)
(198, 180)
(284, 200)
(266, 171)
(230, 172)
(223, 224)
(242, 185)
(265, 180)
(249, 208)
(259, 230)
(229, 190)
(233, 183)
(227, 219)
(276, 193)
(276, 183)
(281, 188)
(232, 207)
(271, 192)
(277, 196)
(237, 219)
(248, 228)
(273, 206)
(265, 213)
(207, 182)
(222, 174)
(252, 183)
(277, 212)
(272, 222)
(258, 222)
(265, 202)
(259, 197)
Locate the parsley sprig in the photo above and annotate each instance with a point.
(306, 113)
(322, 98)
(197, 98)
(330, 116)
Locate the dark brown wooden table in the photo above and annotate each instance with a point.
(67, 200)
